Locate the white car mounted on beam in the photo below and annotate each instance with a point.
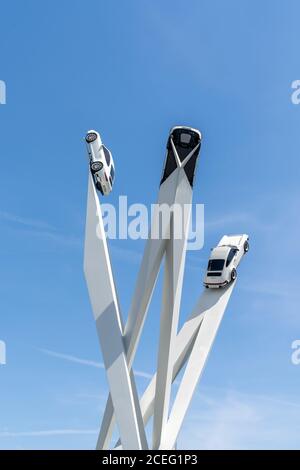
(224, 260)
(101, 163)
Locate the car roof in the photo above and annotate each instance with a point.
(220, 252)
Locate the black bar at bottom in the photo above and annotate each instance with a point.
(132, 459)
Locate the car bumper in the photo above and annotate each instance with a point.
(215, 284)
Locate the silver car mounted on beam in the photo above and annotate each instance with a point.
(101, 163)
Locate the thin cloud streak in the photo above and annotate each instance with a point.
(87, 362)
(70, 358)
(33, 223)
(223, 221)
(39, 228)
(59, 238)
(47, 433)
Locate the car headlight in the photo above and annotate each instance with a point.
(96, 166)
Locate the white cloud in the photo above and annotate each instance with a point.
(226, 419)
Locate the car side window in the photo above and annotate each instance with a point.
(107, 155)
(112, 172)
(230, 256)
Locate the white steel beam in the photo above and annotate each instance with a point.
(103, 297)
(209, 300)
(147, 277)
(184, 344)
(172, 289)
(153, 254)
(174, 189)
(195, 364)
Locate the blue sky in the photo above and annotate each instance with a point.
(133, 70)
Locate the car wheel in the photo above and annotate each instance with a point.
(96, 166)
(246, 246)
(233, 274)
(91, 137)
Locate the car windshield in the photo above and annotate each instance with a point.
(215, 264)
